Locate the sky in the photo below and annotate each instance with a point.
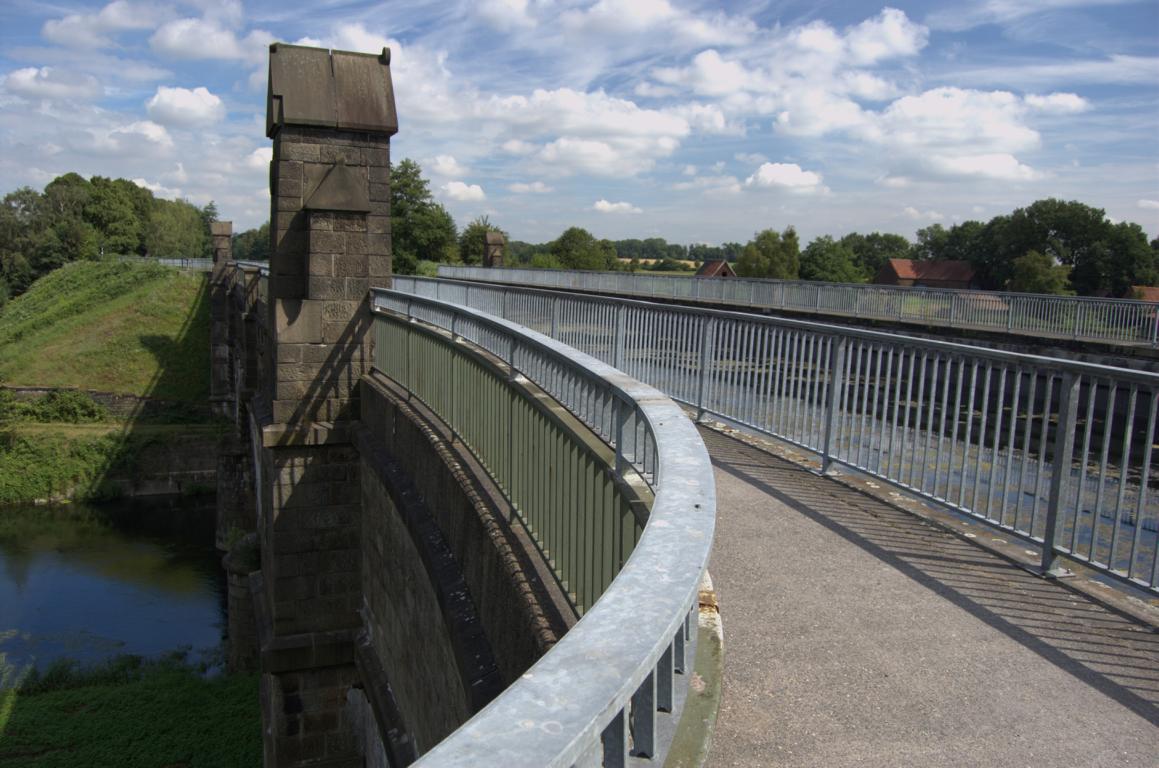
(696, 122)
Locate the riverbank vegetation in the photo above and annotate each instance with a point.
(130, 712)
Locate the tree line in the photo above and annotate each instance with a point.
(76, 219)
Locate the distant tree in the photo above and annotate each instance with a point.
(420, 227)
(831, 261)
(544, 260)
(771, 254)
(870, 252)
(1036, 272)
(576, 248)
(176, 230)
(471, 239)
(253, 244)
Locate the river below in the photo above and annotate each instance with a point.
(91, 582)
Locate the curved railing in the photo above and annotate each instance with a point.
(595, 696)
(1058, 452)
(1113, 321)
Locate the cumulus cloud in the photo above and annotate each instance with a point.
(96, 30)
(53, 84)
(784, 175)
(535, 187)
(888, 35)
(184, 107)
(603, 206)
(505, 14)
(260, 158)
(458, 190)
(1058, 103)
(447, 165)
(169, 193)
(140, 138)
(206, 39)
(913, 213)
(1151, 205)
(998, 166)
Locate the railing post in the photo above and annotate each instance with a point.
(836, 390)
(618, 338)
(1078, 319)
(554, 317)
(708, 333)
(503, 304)
(1063, 447)
(1010, 314)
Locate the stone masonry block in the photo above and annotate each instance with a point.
(378, 265)
(380, 192)
(357, 287)
(338, 311)
(297, 321)
(322, 265)
(289, 170)
(352, 265)
(330, 153)
(292, 150)
(326, 289)
(327, 242)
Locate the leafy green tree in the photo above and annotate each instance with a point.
(420, 227)
(253, 244)
(176, 230)
(111, 211)
(831, 261)
(1036, 272)
(576, 248)
(471, 240)
(870, 252)
(771, 254)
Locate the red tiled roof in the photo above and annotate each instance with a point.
(715, 268)
(947, 271)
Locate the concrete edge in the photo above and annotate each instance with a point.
(693, 739)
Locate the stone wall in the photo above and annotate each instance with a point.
(448, 587)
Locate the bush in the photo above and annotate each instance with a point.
(69, 406)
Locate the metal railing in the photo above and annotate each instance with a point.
(200, 265)
(1113, 321)
(1058, 452)
(594, 697)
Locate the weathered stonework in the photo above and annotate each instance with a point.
(330, 115)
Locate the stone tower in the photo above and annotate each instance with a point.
(331, 115)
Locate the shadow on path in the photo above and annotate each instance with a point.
(1110, 653)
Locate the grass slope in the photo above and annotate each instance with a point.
(131, 328)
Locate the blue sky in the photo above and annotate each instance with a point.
(697, 122)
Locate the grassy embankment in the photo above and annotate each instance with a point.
(137, 329)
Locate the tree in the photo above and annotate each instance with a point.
(420, 227)
(1036, 272)
(576, 248)
(872, 251)
(253, 244)
(471, 240)
(831, 261)
(111, 210)
(176, 230)
(770, 254)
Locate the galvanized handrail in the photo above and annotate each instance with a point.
(594, 697)
(1080, 318)
(1056, 451)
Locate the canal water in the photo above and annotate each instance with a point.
(91, 582)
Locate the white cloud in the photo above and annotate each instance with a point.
(52, 83)
(260, 158)
(888, 35)
(535, 187)
(603, 206)
(751, 158)
(708, 75)
(999, 166)
(141, 138)
(785, 175)
(505, 14)
(446, 165)
(1058, 103)
(169, 193)
(1116, 68)
(457, 190)
(1151, 205)
(963, 16)
(206, 39)
(95, 30)
(518, 147)
(711, 185)
(184, 107)
(916, 215)
(656, 20)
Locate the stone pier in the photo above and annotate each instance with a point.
(331, 116)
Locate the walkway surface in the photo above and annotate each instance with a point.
(856, 635)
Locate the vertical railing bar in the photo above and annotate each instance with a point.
(981, 438)
(1061, 456)
(1124, 464)
(1141, 501)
